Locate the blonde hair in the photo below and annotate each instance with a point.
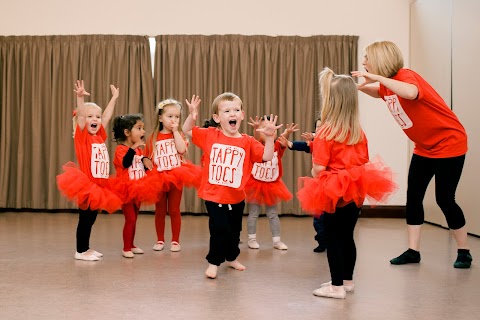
(384, 57)
(74, 117)
(161, 106)
(339, 110)
(226, 96)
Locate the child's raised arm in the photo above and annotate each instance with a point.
(192, 116)
(108, 112)
(269, 131)
(81, 111)
(291, 128)
(255, 123)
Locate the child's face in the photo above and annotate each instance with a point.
(170, 117)
(137, 133)
(230, 116)
(93, 119)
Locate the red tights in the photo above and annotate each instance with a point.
(169, 202)
(130, 211)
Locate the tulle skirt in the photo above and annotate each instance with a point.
(188, 175)
(144, 190)
(372, 181)
(77, 187)
(266, 193)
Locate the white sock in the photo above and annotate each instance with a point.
(252, 236)
(276, 239)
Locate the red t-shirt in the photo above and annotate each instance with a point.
(136, 170)
(165, 155)
(337, 156)
(227, 164)
(427, 120)
(92, 154)
(270, 171)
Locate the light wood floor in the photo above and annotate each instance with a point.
(39, 278)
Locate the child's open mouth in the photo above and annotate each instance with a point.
(94, 125)
(232, 123)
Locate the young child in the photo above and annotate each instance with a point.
(307, 146)
(228, 161)
(440, 143)
(132, 181)
(343, 178)
(88, 183)
(165, 146)
(265, 187)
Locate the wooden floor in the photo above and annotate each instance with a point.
(39, 278)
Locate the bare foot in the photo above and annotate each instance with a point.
(236, 265)
(211, 271)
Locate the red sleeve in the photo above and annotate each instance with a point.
(102, 133)
(280, 149)
(120, 152)
(322, 151)
(199, 136)
(150, 146)
(80, 134)
(256, 150)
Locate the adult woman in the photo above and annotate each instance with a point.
(440, 143)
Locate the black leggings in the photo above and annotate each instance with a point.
(447, 172)
(86, 219)
(225, 225)
(341, 249)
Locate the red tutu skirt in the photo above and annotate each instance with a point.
(266, 193)
(144, 190)
(77, 186)
(372, 181)
(188, 175)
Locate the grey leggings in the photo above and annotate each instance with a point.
(254, 212)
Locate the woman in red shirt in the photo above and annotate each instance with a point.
(439, 137)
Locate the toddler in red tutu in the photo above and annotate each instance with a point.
(343, 177)
(165, 146)
(88, 183)
(265, 187)
(132, 182)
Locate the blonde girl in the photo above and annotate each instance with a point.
(342, 178)
(165, 147)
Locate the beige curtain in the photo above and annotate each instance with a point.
(270, 74)
(37, 100)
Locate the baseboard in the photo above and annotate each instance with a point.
(366, 212)
(383, 212)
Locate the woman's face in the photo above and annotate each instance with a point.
(366, 64)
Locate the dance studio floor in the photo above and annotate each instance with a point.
(39, 278)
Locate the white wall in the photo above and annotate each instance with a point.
(371, 20)
(445, 40)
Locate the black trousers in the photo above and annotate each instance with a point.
(225, 224)
(319, 226)
(447, 172)
(86, 219)
(341, 249)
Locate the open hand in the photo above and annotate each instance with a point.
(80, 89)
(270, 126)
(193, 106)
(115, 91)
(255, 123)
